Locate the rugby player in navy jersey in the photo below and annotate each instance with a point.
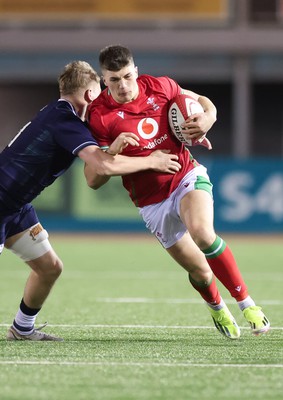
(42, 151)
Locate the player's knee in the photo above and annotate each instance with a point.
(48, 267)
(52, 265)
(203, 236)
(54, 269)
(58, 267)
(201, 277)
(207, 278)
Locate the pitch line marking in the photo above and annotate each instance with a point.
(130, 326)
(137, 364)
(169, 301)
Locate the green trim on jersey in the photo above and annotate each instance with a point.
(192, 159)
(217, 248)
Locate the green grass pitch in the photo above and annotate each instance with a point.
(134, 329)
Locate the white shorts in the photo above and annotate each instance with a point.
(163, 219)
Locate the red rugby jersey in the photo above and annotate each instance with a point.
(147, 117)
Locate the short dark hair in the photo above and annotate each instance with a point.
(114, 58)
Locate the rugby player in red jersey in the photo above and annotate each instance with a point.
(177, 209)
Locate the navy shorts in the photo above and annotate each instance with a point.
(17, 222)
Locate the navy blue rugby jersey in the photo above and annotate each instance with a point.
(42, 151)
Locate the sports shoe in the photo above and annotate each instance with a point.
(36, 335)
(257, 320)
(225, 322)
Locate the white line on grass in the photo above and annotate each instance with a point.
(126, 326)
(129, 326)
(137, 364)
(170, 301)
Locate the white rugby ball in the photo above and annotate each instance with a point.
(180, 108)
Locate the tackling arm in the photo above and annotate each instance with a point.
(100, 166)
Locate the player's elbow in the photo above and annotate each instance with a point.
(95, 178)
(97, 181)
(92, 184)
(98, 174)
(95, 186)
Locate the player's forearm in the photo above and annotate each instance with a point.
(209, 108)
(99, 166)
(122, 165)
(207, 105)
(97, 175)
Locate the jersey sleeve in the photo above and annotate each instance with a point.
(73, 135)
(170, 87)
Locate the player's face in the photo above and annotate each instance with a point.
(122, 84)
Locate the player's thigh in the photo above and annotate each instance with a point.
(196, 212)
(38, 254)
(12, 239)
(33, 247)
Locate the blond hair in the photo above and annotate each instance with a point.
(76, 75)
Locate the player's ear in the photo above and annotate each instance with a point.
(136, 70)
(88, 96)
(103, 80)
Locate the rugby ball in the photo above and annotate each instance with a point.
(180, 108)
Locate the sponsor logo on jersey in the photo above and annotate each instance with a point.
(148, 129)
(156, 142)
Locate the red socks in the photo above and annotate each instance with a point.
(224, 267)
(209, 292)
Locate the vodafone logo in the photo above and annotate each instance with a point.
(147, 128)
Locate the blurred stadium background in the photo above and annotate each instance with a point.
(229, 50)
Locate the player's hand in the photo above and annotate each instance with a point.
(197, 125)
(122, 141)
(163, 161)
